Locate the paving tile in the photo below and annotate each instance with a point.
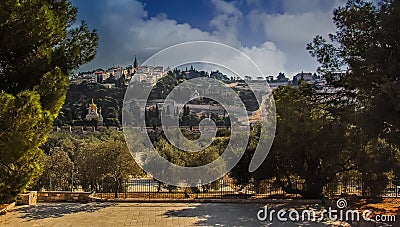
(137, 214)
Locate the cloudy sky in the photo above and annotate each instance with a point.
(273, 33)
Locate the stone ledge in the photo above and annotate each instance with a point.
(63, 196)
(7, 208)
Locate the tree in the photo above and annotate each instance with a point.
(241, 170)
(309, 145)
(58, 170)
(310, 142)
(107, 157)
(314, 144)
(367, 42)
(39, 47)
(108, 99)
(120, 163)
(58, 163)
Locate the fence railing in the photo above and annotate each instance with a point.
(358, 188)
(226, 189)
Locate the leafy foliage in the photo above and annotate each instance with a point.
(79, 96)
(38, 49)
(87, 161)
(108, 158)
(367, 42)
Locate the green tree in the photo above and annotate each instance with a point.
(108, 157)
(120, 164)
(367, 42)
(314, 144)
(241, 171)
(58, 170)
(39, 47)
(310, 142)
(90, 165)
(58, 162)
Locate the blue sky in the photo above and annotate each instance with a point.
(273, 33)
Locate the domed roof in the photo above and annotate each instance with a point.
(92, 105)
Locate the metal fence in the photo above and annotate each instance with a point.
(151, 189)
(358, 188)
(228, 189)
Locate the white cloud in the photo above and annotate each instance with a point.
(126, 30)
(267, 57)
(274, 41)
(157, 34)
(306, 6)
(292, 31)
(226, 22)
(226, 7)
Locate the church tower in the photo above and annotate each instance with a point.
(135, 64)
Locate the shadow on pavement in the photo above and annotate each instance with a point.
(239, 215)
(56, 210)
(219, 214)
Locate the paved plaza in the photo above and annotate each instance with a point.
(141, 214)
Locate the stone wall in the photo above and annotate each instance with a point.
(79, 197)
(29, 198)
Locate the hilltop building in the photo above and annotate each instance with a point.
(307, 77)
(149, 74)
(281, 80)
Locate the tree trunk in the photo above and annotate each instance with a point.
(117, 187)
(313, 190)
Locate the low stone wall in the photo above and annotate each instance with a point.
(29, 198)
(57, 196)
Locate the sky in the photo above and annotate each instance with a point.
(273, 33)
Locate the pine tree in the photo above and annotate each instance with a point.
(39, 49)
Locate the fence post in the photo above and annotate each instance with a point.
(270, 188)
(148, 182)
(221, 187)
(126, 185)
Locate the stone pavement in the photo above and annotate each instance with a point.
(140, 214)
